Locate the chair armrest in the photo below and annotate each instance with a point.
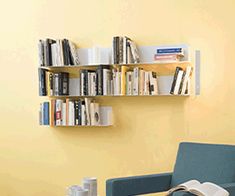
(138, 185)
(230, 187)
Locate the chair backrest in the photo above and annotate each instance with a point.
(205, 163)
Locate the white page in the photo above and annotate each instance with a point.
(209, 189)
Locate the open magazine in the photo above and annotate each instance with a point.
(196, 188)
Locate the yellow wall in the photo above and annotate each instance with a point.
(40, 161)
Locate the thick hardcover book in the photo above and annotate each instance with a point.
(174, 79)
(83, 113)
(65, 55)
(153, 83)
(48, 54)
(46, 113)
(117, 50)
(42, 82)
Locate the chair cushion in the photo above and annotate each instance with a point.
(204, 162)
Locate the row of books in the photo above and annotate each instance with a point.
(83, 112)
(57, 52)
(181, 81)
(53, 84)
(171, 54)
(124, 51)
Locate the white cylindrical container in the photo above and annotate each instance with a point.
(76, 190)
(90, 183)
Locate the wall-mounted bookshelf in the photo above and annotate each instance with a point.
(80, 77)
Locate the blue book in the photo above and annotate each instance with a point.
(169, 50)
(46, 115)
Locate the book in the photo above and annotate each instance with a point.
(170, 50)
(200, 189)
(95, 114)
(58, 112)
(41, 52)
(42, 82)
(185, 79)
(174, 79)
(167, 58)
(153, 83)
(146, 82)
(141, 82)
(123, 79)
(46, 114)
(87, 109)
(178, 82)
(52, 112)
(129, 82)
(136, 71)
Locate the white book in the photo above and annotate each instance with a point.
(134, 52)
(106, 81)
(89, 83)
(95, 116)
(71, 113)
(61, 53)
(93, 84)
(118, 83)
(153, 83)
(178, 81)
(114, 85)
(124, 50)
(88, 115)
(129, 58)
(58, 53)
(129, 83)
(53, 54)
(58, 112)
(200, 189)
(63, 114)
(136, 81)
(82, 82)
(146, 82)
(83, 114)
(185, 80)
(74, 53)
(74, 86)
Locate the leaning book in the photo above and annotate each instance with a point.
(200, 189)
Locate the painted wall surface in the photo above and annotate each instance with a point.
(40, 161)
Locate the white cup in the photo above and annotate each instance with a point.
(90, 183)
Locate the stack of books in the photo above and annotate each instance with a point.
(57, 52)
(124, 51)
(171, 54)
(59, 112)
(53, 84)
(181, 81)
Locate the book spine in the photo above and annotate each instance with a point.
(136, 81)
(42, 82)
(65, 83)
(52, 112)
(64, 52)
(99, 81)
(169, 50)
(46, 117)
(178, 81)
(58, 113)
(174, 79)
(114, 50)
(76, 112)
(83, 113)
(63, 113)
(41, 53)
(79, 112)
(56, 84)
(120, 50)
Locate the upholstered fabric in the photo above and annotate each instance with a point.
(203, 162)
(138, 185)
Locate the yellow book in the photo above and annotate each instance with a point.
(124, 69)
(48, 83)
